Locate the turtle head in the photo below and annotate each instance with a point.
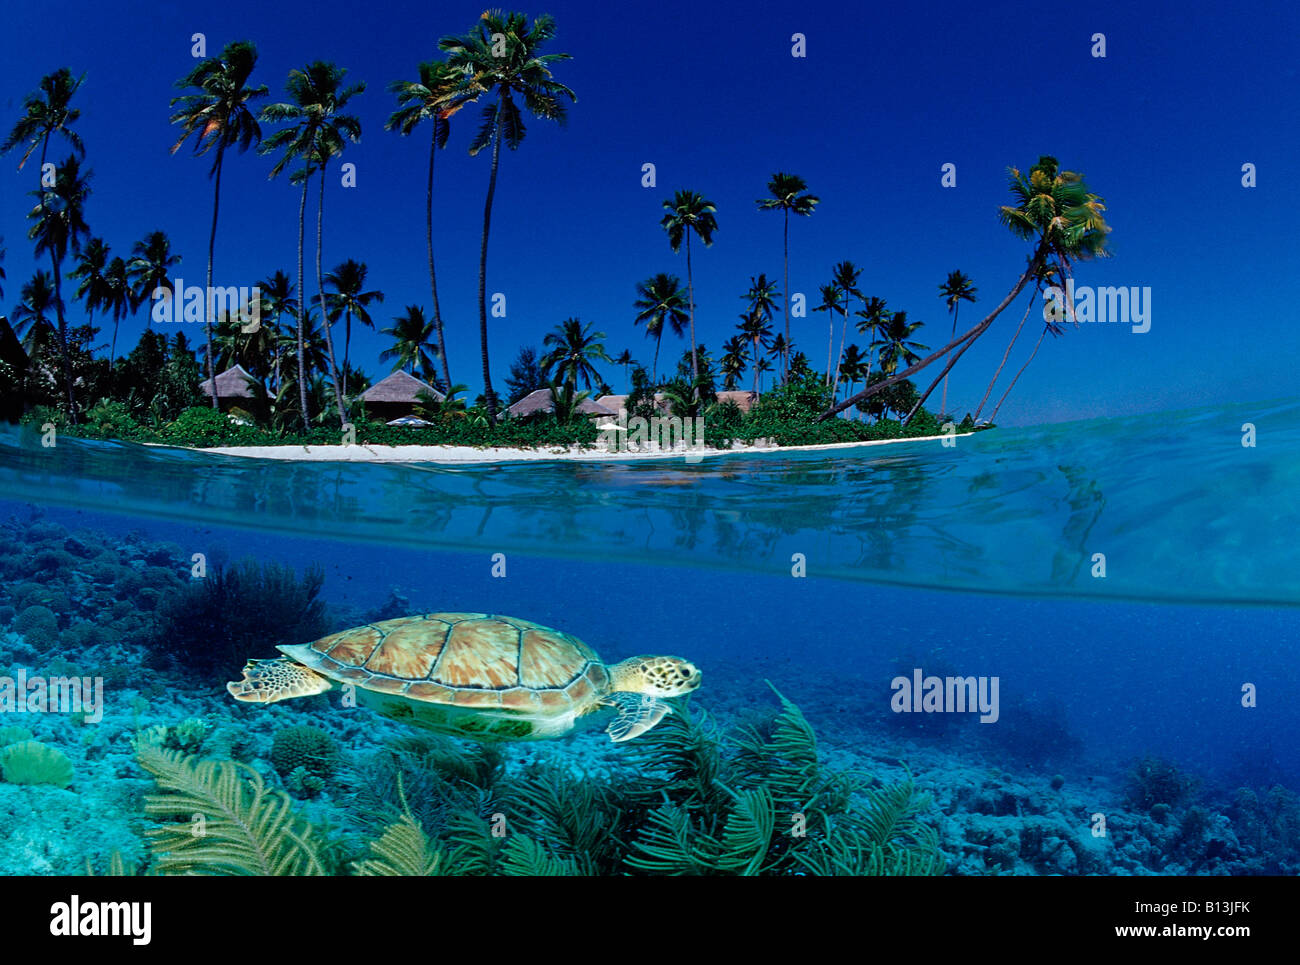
(656, 676)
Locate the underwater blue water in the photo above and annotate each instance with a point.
(976, 560)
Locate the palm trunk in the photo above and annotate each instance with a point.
(112, 351)
(347, 340)
(654, 366)
(488, 394)
(320, 291)
(943, 399)
(690, 295)
(830, 342)
(1005, 356)
(207, 294)
(65, 359)
(968, 337)
(754, 355)
(844, 331)
(302, 308)
(994, 414)
(433, 278)
(785, 350)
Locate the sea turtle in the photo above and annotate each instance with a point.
(475, 675)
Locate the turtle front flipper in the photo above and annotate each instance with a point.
(266, 681)
(637, 713)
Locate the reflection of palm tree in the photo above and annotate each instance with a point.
(661, 301)
(787, 196)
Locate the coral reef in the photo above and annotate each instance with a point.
(31, 762)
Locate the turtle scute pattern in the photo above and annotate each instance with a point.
(470, 659)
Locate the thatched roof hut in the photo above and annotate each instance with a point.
(234, 389)
(743, 398)
(396, 396)
(540, 400)
(616, 402)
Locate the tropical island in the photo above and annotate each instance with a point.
(269, 365)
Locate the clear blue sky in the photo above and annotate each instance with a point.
(887, 94)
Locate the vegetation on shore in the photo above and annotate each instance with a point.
(54, 369)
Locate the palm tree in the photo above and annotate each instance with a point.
(846, 275)
(1048, 326)
(732, 364)
(45, 116)
(118, 299)
(1045, 277)
(660, 301)
(757, 332)
(501, 59)
(90, 270)
(898, 346)
(437, 95)
(217, 115)
(318, 132)
(830, 304)
(852, 367)
(411, 333)
(956, 289)
(150, 268)
(625, 359)
(873, 316)
(1056, 210)
(786, 197)
(278, 299)
(687, 213)
(32, 314)
(59, 225)
(347, 298)
(573, 348)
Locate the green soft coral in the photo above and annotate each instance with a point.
(31, 762)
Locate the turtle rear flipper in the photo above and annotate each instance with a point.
(266, 681)
(637, 713)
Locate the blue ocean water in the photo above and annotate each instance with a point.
(827, 573)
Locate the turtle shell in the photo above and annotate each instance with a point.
(469, 660)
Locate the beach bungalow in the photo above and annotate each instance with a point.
(743, 398)
(233, 390)
(539, 400)
(396, 396)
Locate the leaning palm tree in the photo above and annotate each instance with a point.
(787, 196)
(846, 275)
(688, 213)
(661, 301)
(317, 132)
(59, 227)
(412, 336)
(150, 268)
(347, 298)
(956, 289)
(574, 347)
(1046, 275)
(501, 60)
(217, 114)
(1053, 208)
(1049, 326)
(437, 95)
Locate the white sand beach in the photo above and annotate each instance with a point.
(463, 455)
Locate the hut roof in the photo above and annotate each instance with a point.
(399, 387)
(743, 398)
(616, 402)
(231, 384)
(539, 400)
